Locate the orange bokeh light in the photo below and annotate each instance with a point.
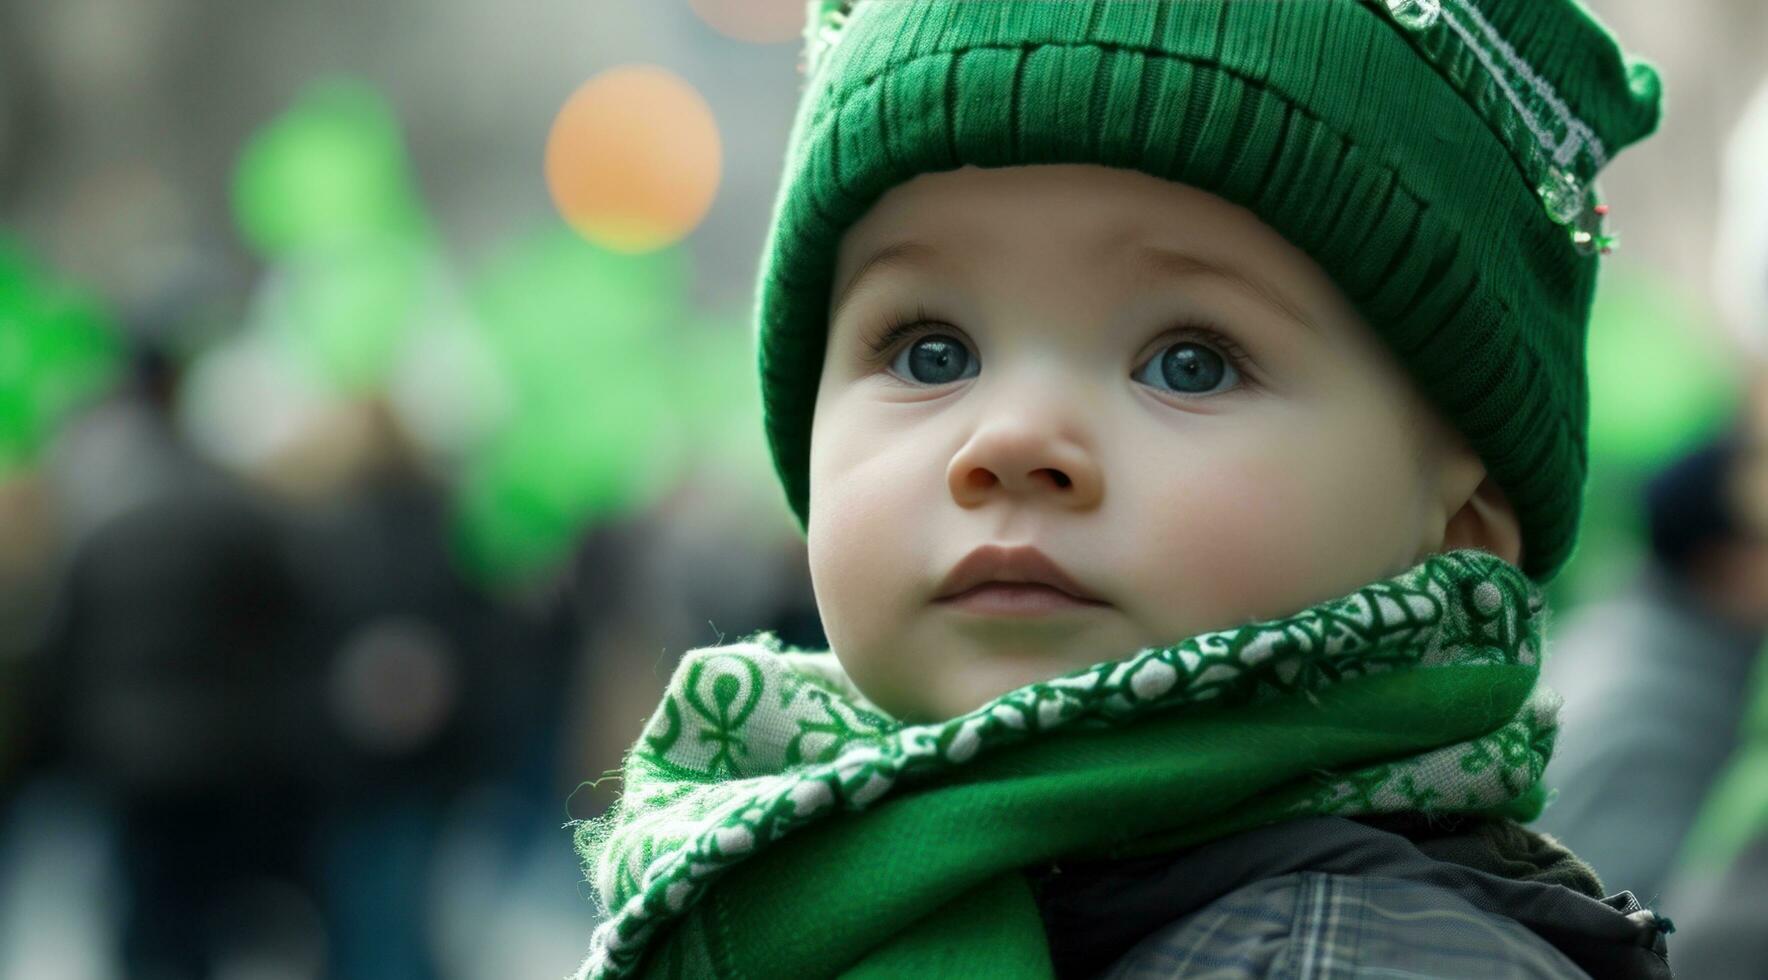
(758, 21)
(634, 158)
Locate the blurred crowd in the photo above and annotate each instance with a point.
(316, 630)
(283, 728)
(332, 583)
(286, 729)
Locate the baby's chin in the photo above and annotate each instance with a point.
(960, 685)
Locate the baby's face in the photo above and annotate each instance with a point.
(1137, 378)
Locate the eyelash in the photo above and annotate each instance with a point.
(883, 341)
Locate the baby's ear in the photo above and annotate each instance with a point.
(1481, 517)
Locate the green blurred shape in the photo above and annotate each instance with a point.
(325, 194)
(1658, 386)
(1611, 540)
(588, 345)
(57, 348)
(723, 407)
(1658, 381)
(333, 166)
(346, 309)
(1735, 812)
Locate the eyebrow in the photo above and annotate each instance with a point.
(901, 253)
(1151, 261)
(1155, 261)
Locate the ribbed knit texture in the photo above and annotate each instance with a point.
(1389, 154)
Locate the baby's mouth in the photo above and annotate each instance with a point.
(1017, 599)
(1020, 575)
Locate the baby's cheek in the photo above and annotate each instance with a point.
(1231, 540)
(851, 553)
(868, 509)
(1259, 535)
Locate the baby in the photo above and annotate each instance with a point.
(1183, 402)
(1076, 410)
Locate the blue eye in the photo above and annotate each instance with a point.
(935, 359)
(1190, 368)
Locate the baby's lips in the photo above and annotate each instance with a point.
(1009, 564)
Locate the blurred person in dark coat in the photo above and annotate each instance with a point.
(1719, 891)
(431, 687)
(279, 692)
(175, 634)
(1657, 677)
(1654, 678)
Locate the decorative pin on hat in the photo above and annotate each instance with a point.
(822, 28)
(1561, 139)
(1415, 14)
(1568, 202)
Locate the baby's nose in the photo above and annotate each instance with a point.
(1024, 461)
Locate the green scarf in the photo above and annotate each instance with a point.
(1414, 694)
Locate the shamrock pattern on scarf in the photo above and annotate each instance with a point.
(753, 741)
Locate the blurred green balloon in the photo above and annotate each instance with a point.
(722, 409)
(1658, 381)
(332, 167)
(588, 343)
(345, 309)
(601, 385)
(1658, 386)
(57, 348)
(325, 194)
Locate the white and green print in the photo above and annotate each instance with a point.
(754, 743)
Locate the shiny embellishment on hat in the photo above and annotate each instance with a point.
(1563, 149)
(1588, 237)
(822, 29)
(1415, 14)
(1563, 196)
(1558, 146)
(1568, 203)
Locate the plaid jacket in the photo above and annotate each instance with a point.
(1331, 899)
(1315, 926)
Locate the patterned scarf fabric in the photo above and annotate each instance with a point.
(904, 842)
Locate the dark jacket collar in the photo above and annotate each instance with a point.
(1095, 911)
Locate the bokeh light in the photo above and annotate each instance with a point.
(1657, 380)
(634, 159)
(756, 21)
(587, 338)
(57, 348)
(325, 194)
(346, 310)
(332, 167)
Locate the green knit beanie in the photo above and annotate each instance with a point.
(1436, 157)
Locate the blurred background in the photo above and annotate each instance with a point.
(378, 425)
